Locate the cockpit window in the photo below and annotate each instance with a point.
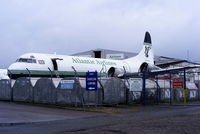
(32, 56)
(26, 60)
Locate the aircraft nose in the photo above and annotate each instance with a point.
(13, 66)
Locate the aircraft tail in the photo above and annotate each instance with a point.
(147, 53)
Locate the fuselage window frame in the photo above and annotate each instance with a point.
(26, 60)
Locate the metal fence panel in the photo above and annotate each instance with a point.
(5, 90)
(158, 89)
(69, 92)
(92, 97)
(45, 91)
(114, 91)
(23, 90)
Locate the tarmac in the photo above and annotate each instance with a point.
(25, 118)
(16, 114)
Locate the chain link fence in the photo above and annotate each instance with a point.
(172, 88)
(66, 91)
(148, 89)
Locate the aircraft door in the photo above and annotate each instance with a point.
(55, 65)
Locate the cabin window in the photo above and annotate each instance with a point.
(26, 60)
(41, 62)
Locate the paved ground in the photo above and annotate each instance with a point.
(14, 114)
(25, 119)
(158, 123)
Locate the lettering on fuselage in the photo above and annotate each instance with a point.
(84, 61)
(104, 62)
(89, 61)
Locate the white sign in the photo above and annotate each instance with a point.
(67, 81)
(115, 56)
(67, 84)
(135, 84)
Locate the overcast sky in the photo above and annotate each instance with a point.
(71, 26)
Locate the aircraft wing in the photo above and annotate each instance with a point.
(164, 65)
(175, 69)
(160, 70)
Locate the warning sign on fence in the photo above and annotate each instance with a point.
(91, 81)
(178, 83)
(67, 84)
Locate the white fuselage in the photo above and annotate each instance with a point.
(44, 65)
(63, 63)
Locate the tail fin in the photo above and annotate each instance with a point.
(147, 38)
(147, 53)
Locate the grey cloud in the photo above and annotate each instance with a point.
(66, 26)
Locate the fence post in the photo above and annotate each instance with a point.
(96, 92)
(50, 72)
(184, 91)
(198, 86)
(11, 91)
(75, 76)
(81, 91)
(126, 89)
(102, 97)
(170, 88)
(184, 71)
(29, 73)
(99, 81)
(144, 88)
(157, 88)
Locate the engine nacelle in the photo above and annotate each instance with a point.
(115, 72)
(148, 67)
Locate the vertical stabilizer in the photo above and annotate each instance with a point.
(147, 46)
(146, 55)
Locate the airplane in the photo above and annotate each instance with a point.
(3, 74)
(52, 65)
